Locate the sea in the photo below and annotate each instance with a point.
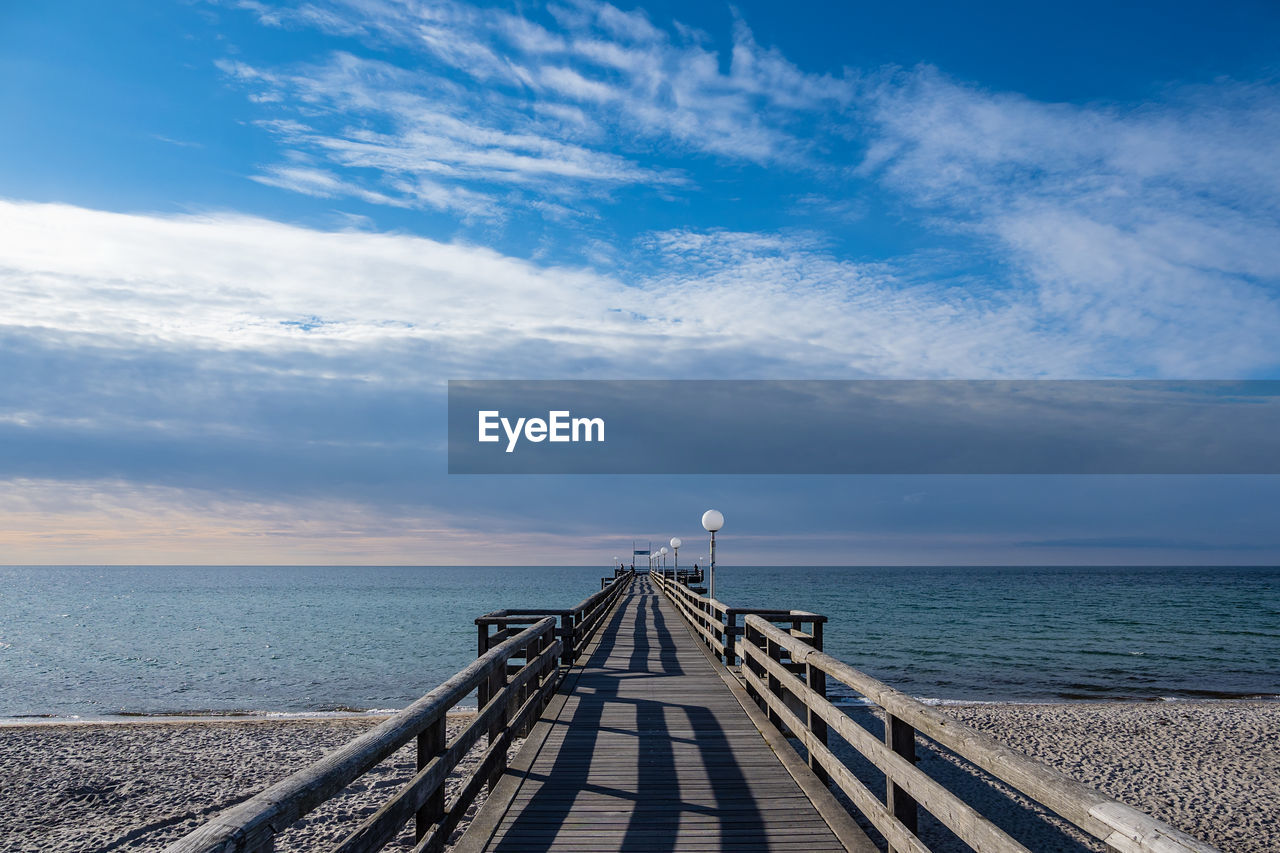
(111, 642)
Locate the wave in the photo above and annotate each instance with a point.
(200, 715)
(936, 701)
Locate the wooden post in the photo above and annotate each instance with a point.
(751, 636)
(497, 682)
(817, 681)
(712, 624)
(482, 646)
(901, 738)
(528, 652)
(568, 628)
(773, 650)
(730, 635)
(430, 744)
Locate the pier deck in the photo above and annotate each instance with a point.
(646, 748)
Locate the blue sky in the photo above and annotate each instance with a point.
(244, 244)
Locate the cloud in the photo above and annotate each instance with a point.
(550, 521)
(751, 303)
(498, 100)
(318, 183)
(403, 141)
(121, 522)
(693, 303)
(224, 351)
(1107, 226)
(260, 361)
(1121, 221)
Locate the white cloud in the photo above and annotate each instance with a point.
(732, 304)
(1103, 228)
(1123, 224)
(319, 183)
(533, 107)
(740, 304)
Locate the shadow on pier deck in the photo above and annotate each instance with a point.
(646, 747)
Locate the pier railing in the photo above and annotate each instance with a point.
(576, 624)
(786, 673)
(253, 825)
(513, 677)
(719, 625)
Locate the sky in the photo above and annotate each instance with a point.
(244, 245)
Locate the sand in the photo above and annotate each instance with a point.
(140, 786)
(1211, 769)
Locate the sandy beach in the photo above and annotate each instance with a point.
(140, 786)
(1211, 769)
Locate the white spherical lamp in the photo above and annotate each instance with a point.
(676, 543)
(712, 521)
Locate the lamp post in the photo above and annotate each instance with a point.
(712, 521)
(663, 552)
(675, 546)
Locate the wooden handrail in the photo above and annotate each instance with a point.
(577, 624)
(718, 624)
(767, 653)
(253, 825)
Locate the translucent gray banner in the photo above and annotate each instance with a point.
(864, 427)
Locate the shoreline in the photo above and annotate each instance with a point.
(384, 713)
(1209, 767)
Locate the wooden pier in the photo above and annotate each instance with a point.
(656, 718)
(647, 749)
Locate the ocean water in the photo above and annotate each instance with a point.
(100, 641)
